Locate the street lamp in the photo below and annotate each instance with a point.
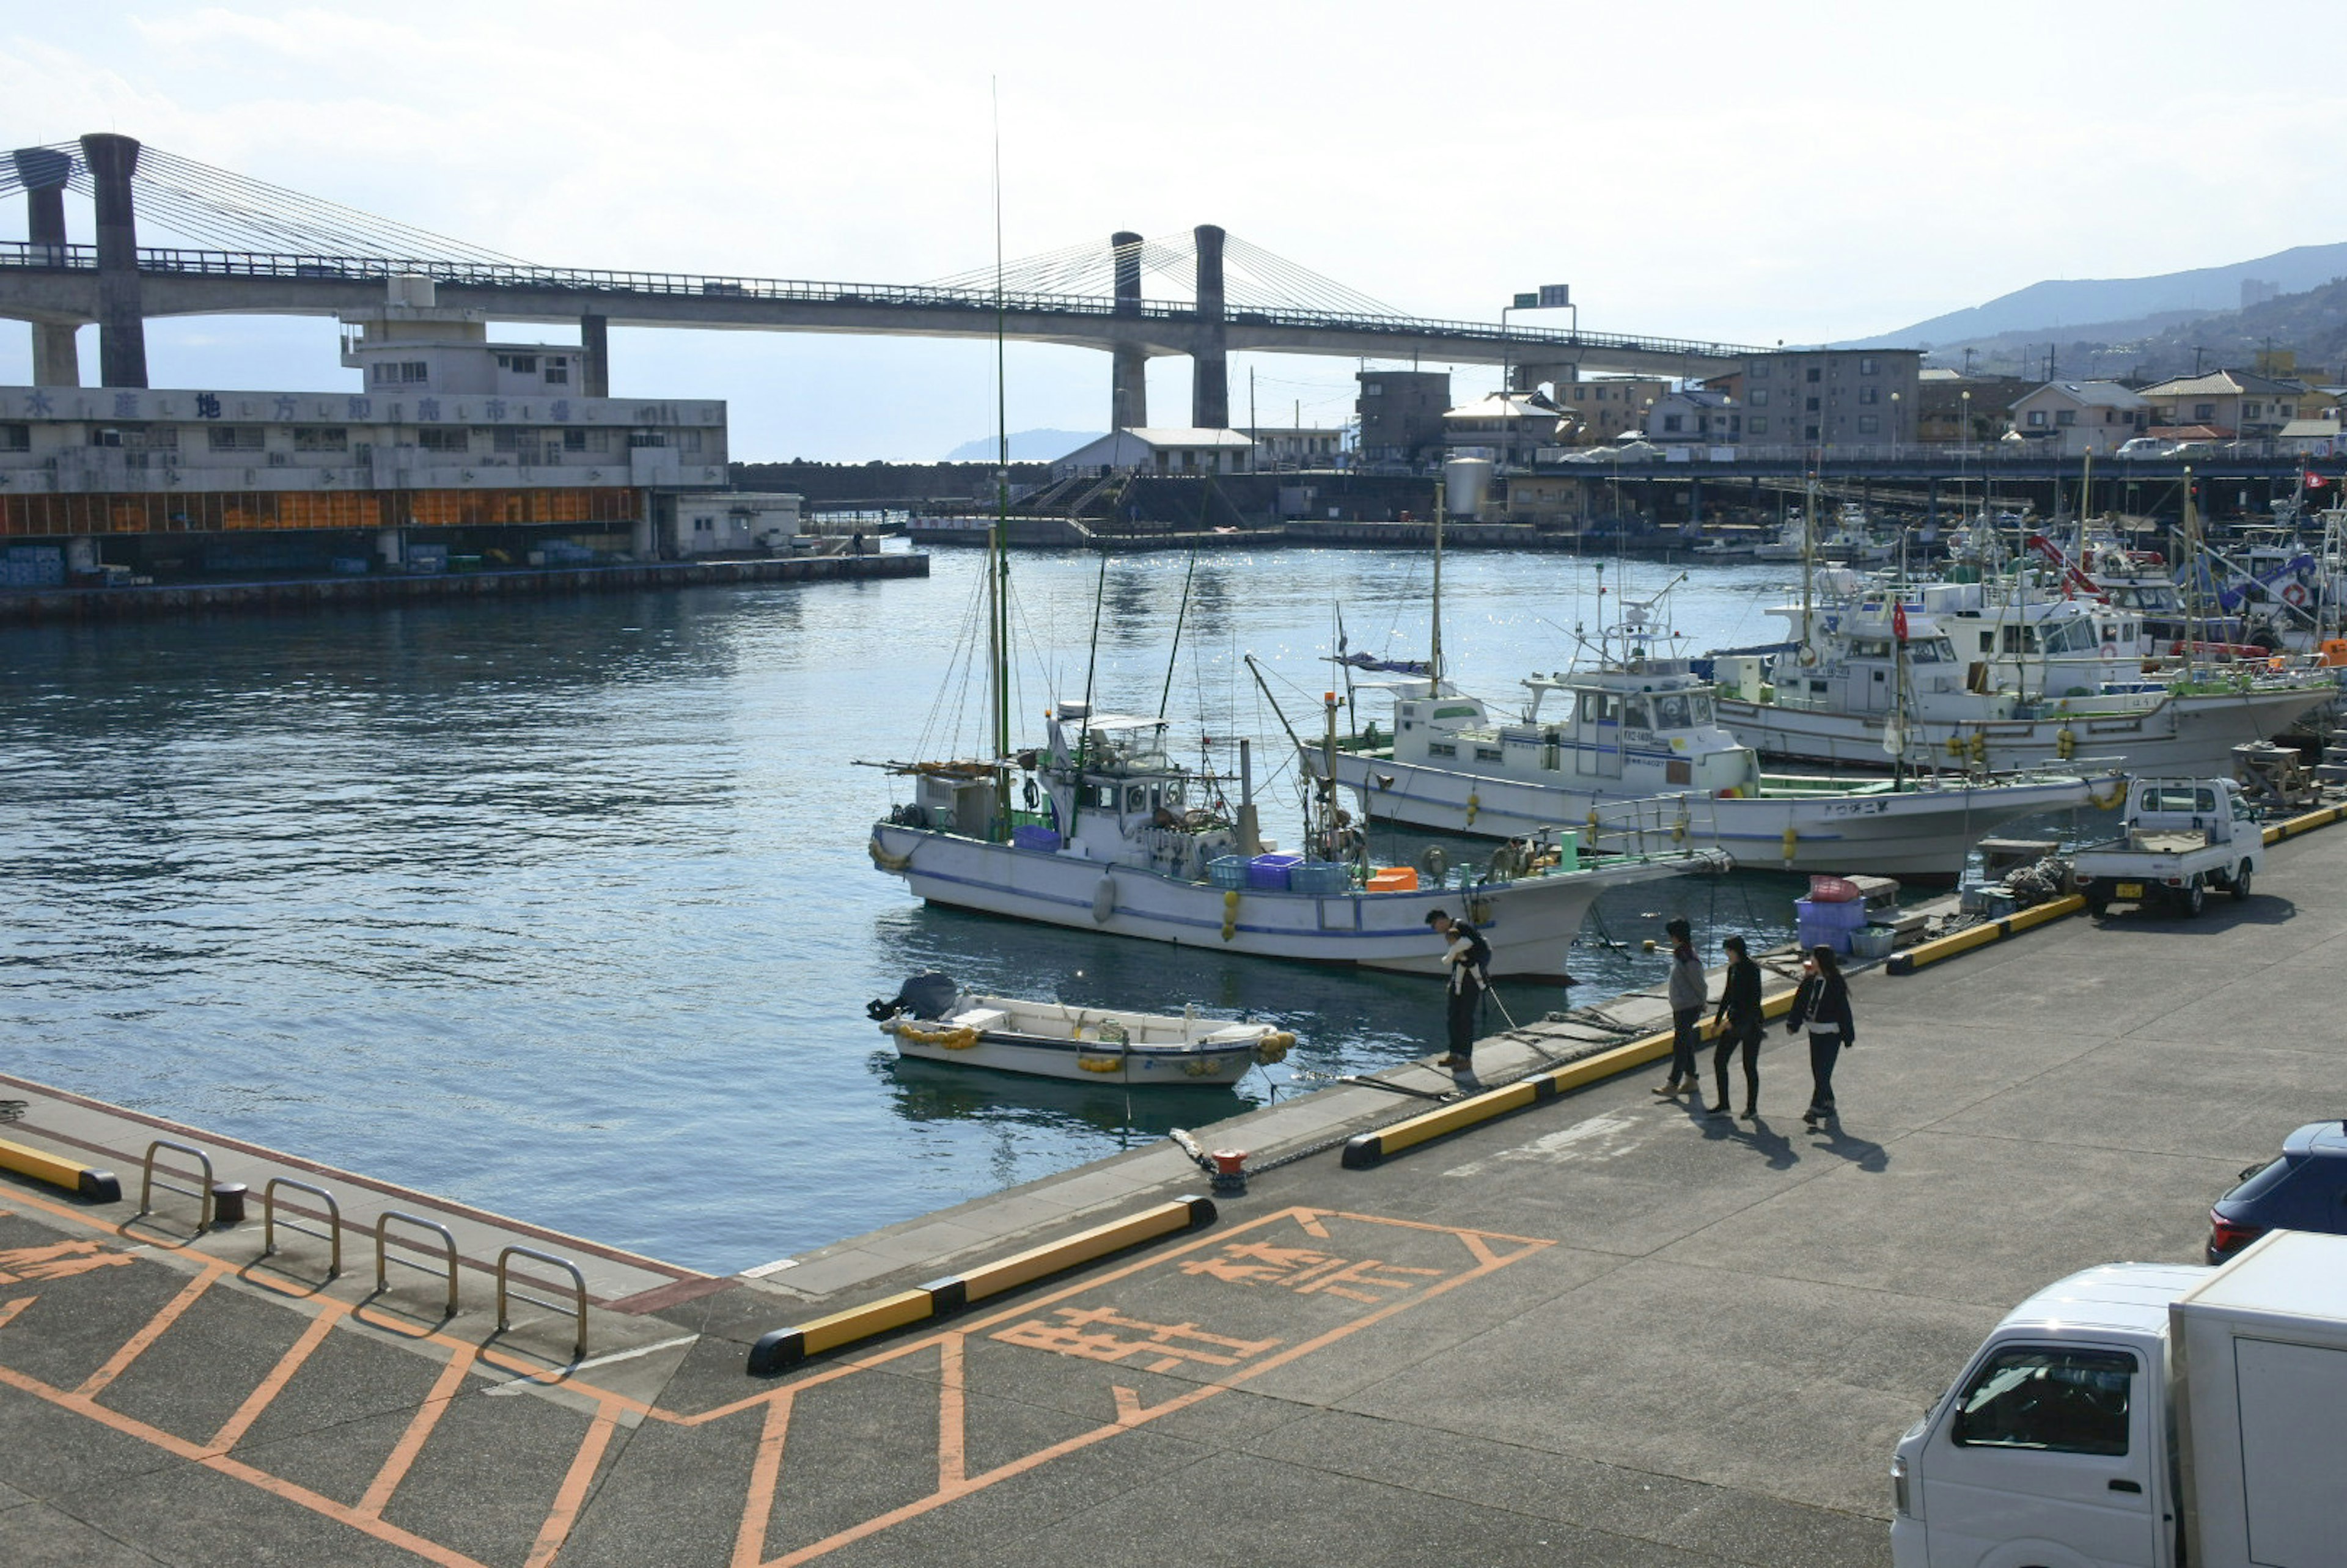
(1894, 427)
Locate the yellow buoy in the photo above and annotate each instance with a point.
(1230, 913)
(1792, 839)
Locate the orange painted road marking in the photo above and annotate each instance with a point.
(1245, 1258)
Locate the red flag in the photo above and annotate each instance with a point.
(2315, 481)
(1899, 621)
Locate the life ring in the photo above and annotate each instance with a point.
(2293, 594)
(2111, 800)
(952, 1037)
(2110, 649)
(883, 859)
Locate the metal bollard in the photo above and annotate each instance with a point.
(228, 1205)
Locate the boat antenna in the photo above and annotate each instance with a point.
(1084, 729)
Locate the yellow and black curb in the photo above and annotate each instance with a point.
(786, 1348)
(1907, 961)
(2307, 823)
(1369, 1148)
(87, 1181)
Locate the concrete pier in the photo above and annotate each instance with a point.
(1605, 1330)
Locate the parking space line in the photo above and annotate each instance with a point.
(119, 1362)
(419, 1427)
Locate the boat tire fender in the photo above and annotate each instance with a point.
(1104, 899)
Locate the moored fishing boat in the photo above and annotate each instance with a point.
(1637, 758)
(932, 1019)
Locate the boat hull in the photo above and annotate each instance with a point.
(1086, 1061)
(1529, 923)
(2183, 736)
(1920, 832)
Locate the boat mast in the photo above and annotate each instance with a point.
(1434, 652)
(998, 553)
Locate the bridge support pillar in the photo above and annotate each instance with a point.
(121, 321)
(594, 357)
(1210, 371)
(1128, 397)
(56, 360)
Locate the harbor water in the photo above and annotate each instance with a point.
(561, 907)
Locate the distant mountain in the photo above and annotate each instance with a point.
(2106, 307)
(1026, 446)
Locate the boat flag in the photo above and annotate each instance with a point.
(2314, 481)
(1899, 621)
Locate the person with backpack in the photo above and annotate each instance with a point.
(1822, 1005)
(1737, 1025)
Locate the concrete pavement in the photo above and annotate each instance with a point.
(1603, 1331)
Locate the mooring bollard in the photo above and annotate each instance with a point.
(228, 1205)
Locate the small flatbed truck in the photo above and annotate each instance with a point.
(2179, 838)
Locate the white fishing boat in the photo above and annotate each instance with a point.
(1947, 671)
(1125, 841)
(1628, 748)
(932, 1019)
(1848, 540)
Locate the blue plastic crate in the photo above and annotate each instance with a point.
(1269, 873)
(1227, 871)
(1322, 877)
(1813, 934)
(1034, 836)
(1842, 916)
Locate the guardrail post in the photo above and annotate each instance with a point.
(577, 1284)
(332, 1233)
(383, 1261)
(202, 1193)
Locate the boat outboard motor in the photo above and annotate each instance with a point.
(923, 996)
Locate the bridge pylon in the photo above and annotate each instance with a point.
(1128, 377)
(44, 172)
(1210, 372)
(121, 321)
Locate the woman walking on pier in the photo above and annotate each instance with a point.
(1823, 1004)
(1738, 1026)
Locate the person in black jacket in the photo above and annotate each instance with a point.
(1737, 1024)
(1823, 1004)
(1467, 956)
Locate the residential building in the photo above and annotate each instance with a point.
(2234, 402)
(1508, 427)
(1598, 410)
(1856, 400)
(1953, 408)
(1170, 449)
(1400, 413)
(2310, 438)
(2079, 418)
(1694, 417)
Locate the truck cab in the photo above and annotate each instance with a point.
(2049, 1451)
(2144, 1416)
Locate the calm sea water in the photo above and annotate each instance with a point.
(562, 907)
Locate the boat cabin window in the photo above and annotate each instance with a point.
(2080, 636)
(1136, 798)
(1870, 647)
(1097, 797)
(1931, 650)
(1456, 711)
(1698, 709)
(1171, 796)
(1635, 713)
(1671, 711)
(1602, 707)
(2017, 639)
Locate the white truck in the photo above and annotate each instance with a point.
(2180, 837)
(2145, 1416)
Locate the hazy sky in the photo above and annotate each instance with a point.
(1734, 171)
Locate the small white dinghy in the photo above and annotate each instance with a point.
(932, 1018)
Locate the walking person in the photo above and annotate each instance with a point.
(1686, 994)
(1467, 956)
(1738, 1026)
(1822, 1004)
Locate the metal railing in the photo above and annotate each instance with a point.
(578, 280)
(332, 1235)
(148, 1182)
(383, 1260)
(577, 1284)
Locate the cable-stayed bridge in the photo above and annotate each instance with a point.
(262, 250)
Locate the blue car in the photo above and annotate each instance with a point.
(2305, 1190)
